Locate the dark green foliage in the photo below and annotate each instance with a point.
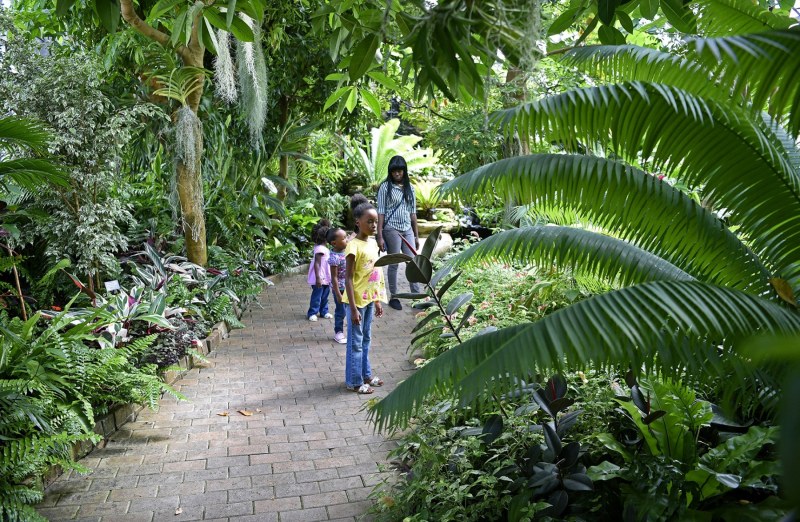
(54, 379)
(663, 455)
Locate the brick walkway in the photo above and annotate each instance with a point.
(305, 454)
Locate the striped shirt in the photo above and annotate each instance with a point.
(396, 211)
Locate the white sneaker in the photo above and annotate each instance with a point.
(340, 338)
(313, 318)
(328, 316)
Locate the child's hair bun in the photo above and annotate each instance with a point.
(319, 232)
(357, 199)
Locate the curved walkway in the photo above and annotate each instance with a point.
(306, 453)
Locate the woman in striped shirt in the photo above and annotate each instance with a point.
(397, 216)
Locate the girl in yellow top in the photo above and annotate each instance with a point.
(364, 292)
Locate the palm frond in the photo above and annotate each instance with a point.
(761, 71)
(618, 63)
(32, 173)
(674, 327)
(588, 252)
(629, 203)
(23, 132)
(763, 68)
(734, 17)
(702, 142)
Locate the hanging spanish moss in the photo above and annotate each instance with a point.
(224, 75)
(188, 136)
(253, 82)
(532, 44)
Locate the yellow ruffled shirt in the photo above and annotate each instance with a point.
(367, 280)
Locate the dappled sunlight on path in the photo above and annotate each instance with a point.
(305, 452)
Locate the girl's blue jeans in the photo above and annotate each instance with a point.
(338, 314)
(319, 300)
(357, 368)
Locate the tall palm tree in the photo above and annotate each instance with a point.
(692, 279)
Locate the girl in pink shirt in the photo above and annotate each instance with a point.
(319, 273)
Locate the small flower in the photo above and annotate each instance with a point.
(484, 305)
(472, 320)
(582, 375)
(661, 177)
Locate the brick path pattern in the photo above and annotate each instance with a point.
(307, 452)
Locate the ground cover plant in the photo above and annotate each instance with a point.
(658, 450)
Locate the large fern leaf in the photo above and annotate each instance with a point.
(588, 252)
(740, 165)
(672, 326)
(629, 203)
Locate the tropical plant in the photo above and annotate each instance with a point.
(372, 160)
(19, 139)
(54, 379)
(672, 431)
(690, 284)
(84, 220)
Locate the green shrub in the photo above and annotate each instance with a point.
(54, 379)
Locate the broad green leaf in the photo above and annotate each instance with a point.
(333, 98)
(362, 57)
(230, 13)
(606, 10)
(430, 243)
(604, 471)
(679, 15)
(641, 323)
(425, 267)
(564, 21)
(208, 37)
(432, 316)
(392, 259)
(63, 7)
(492, 429)
(178, 28)
(162, 7)
(242, 31)
(446, 286)
(648, 8)
(371, 102)
(610, 35)
(383, 80)
(625, 21)
(213, 16)
(352, 99)
(457, 302)
(108, 12)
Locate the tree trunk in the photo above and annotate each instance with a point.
(189, 177)
(283, 170)
(190, 185)
(515, 78)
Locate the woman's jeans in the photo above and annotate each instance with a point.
(339, 314)
(356, 367)
(395, 245)
(319, 300)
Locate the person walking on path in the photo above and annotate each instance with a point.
(338, 266)
(319, 273)
(397, 217)
(364, 293)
